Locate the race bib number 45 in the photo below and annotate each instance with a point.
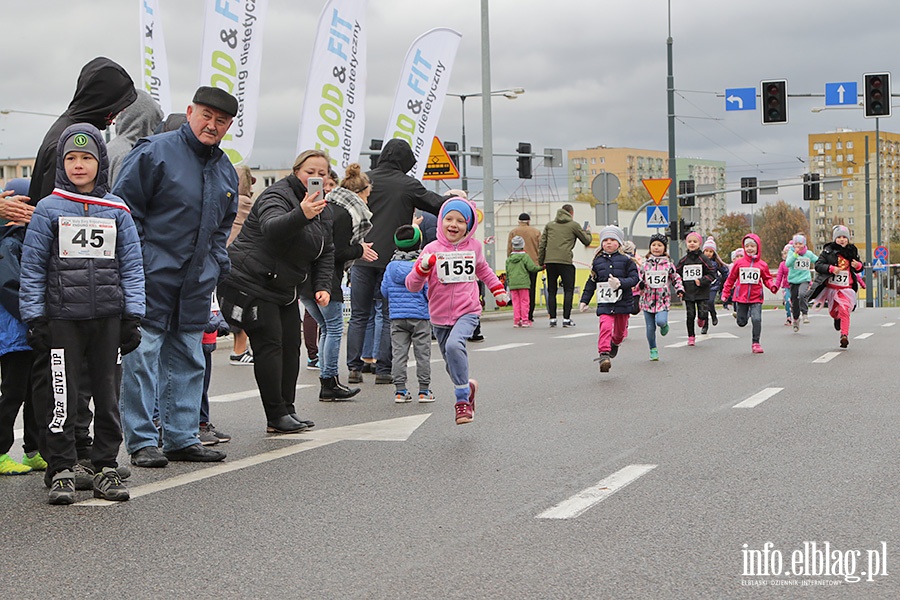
(749, 275)
(87, 237)
(455, 267)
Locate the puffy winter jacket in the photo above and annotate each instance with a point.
(692, 291)
(73, 288)
(658, 299)
(403, 304)
(558, 239)
(518, 267)
(834, 255)
(623, 268)
(447, 302)
(279, 249)
(749, 292)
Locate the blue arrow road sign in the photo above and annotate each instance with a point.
(657, 216)
(842, 93)
(740, 99)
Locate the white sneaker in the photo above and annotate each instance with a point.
(552, 322)
(806, 318)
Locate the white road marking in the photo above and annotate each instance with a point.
(603, 489)
(758, 398)
(826, 357)
(390, 430)
(863, 336)
(503, 347)
(888, 324)
(234, 396)
(574, 335)
(700, 338)
(412, 361)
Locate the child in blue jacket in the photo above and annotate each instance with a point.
(613, 275)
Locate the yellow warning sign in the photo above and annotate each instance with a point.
(657, 188)
(439, 164)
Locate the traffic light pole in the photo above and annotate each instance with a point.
(670, 101)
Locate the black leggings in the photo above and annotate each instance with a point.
(695, 309)
(557, 271)
(275, 336)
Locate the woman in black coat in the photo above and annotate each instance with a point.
(285, 244)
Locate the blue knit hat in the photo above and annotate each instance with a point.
(462, 207)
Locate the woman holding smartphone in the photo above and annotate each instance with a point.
(284, 249)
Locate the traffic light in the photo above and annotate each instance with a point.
(524, 160)
(810, 186)
(774, 101)
(672, 230)
(374, 145)
(748, 190)
(452, 149)
(685, 227)
(686, 186)
(877, 94)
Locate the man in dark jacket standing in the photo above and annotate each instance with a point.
(182, 191)
(104, 90)
(394, 198)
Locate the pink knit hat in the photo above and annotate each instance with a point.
(697, 235)
(710, 243)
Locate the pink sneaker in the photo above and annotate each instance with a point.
(527, 323)
(756, 348)
(517, 324)
(465, 411)
(690, 340)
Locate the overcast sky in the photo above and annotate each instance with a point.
(594, 72)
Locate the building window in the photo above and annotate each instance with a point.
(839, 146)
(849, 146)
(593, 161)
(593, 171)
(840, 208)
(850, 156)
(267, 181)
(602, 160)
(840, 157)
(828, 145)
(850, 170)
(851, 208)
(26, 171)
(850, 221)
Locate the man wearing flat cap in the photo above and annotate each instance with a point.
(182, 192)
(532, 237)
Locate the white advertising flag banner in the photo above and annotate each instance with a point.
(230, 60)
(154, 65)
(333, 116)
(421, 92)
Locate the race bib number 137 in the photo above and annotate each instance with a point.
(87, 237)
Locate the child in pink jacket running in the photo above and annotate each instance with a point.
(451, 265)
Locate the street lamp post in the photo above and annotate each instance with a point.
(511, 94)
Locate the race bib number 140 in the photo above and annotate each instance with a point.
(87, 237)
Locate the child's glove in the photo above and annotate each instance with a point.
(833, 269)
(223, 329)
(613, 283)
(856, 265)
(774, 289)
(582, 307)
(129, 334)
(38, 335)
(426, 263)
(500, 296)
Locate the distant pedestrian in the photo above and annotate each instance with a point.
(410, 324)
(532, 237)
(520, 271)
(613, 275)
(836, 280)
(450, 266)
(555, 254)
(799, 262)
(710, 251)
(749, 277)
(697, 274)
(138, 120)
(657, 273)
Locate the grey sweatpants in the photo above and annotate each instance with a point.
(415, 332)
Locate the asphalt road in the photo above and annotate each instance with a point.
(409, 505)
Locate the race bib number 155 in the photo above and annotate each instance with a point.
(455, 267)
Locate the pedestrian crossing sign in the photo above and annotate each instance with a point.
(657, 216)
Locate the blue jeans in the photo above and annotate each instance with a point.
(752, 313)
(652, 321)
(168, 367)
(331, 329)
(373, 331)
(452, 343)
(365, 288)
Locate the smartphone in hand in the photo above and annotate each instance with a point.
(313, 185)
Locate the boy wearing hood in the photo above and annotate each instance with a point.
(82, 296)
(451, 266)
(748, 275)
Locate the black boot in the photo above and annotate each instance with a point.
(334, 391)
